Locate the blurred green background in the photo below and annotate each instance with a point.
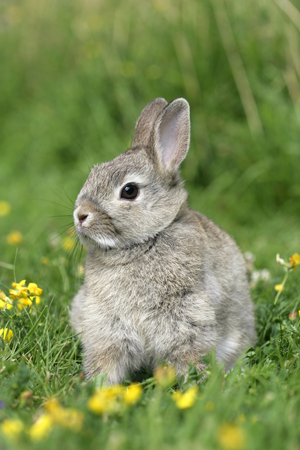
(75, 75)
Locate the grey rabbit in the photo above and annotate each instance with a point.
(162, 282)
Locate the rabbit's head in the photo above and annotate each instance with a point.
(139, 193)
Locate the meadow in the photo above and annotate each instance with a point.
(74, 77)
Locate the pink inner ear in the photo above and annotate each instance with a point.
(172, 134)
(169, 139)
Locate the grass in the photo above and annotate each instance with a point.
(74, 78)
(256, 404)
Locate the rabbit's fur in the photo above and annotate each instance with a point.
(162, 282)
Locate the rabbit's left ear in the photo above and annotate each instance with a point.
(145, 122)
(171, 134)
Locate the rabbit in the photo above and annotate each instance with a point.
(162, 282)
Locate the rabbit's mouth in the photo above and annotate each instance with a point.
(84, 238)
(89, 240)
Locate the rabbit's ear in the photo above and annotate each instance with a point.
(171, 134)
(145, 122)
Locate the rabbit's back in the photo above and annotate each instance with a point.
(226, 284)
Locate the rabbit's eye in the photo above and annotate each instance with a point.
(130, 191)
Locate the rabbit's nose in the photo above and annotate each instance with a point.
(82, 217)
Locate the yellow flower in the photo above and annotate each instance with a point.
(14, 238)
(15, 294)
(279, 287)
(295, 260)
(6, 334)
(165, 376)
(24, 302)
(5, 305)
(5, 208)
(97, 404)
(19, 285)
(116, 390)
(55, 415)
(71, 418)
(52, 405)
(41, 428)
(132, 394)
(34, 289)
(4, 301)
(106, 399)
(232, 437)
(19, 291)
(12, 428)
(187, 399)
(66, 417)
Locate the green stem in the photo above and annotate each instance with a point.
(282, 287)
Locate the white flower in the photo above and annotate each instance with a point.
(280, 260)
